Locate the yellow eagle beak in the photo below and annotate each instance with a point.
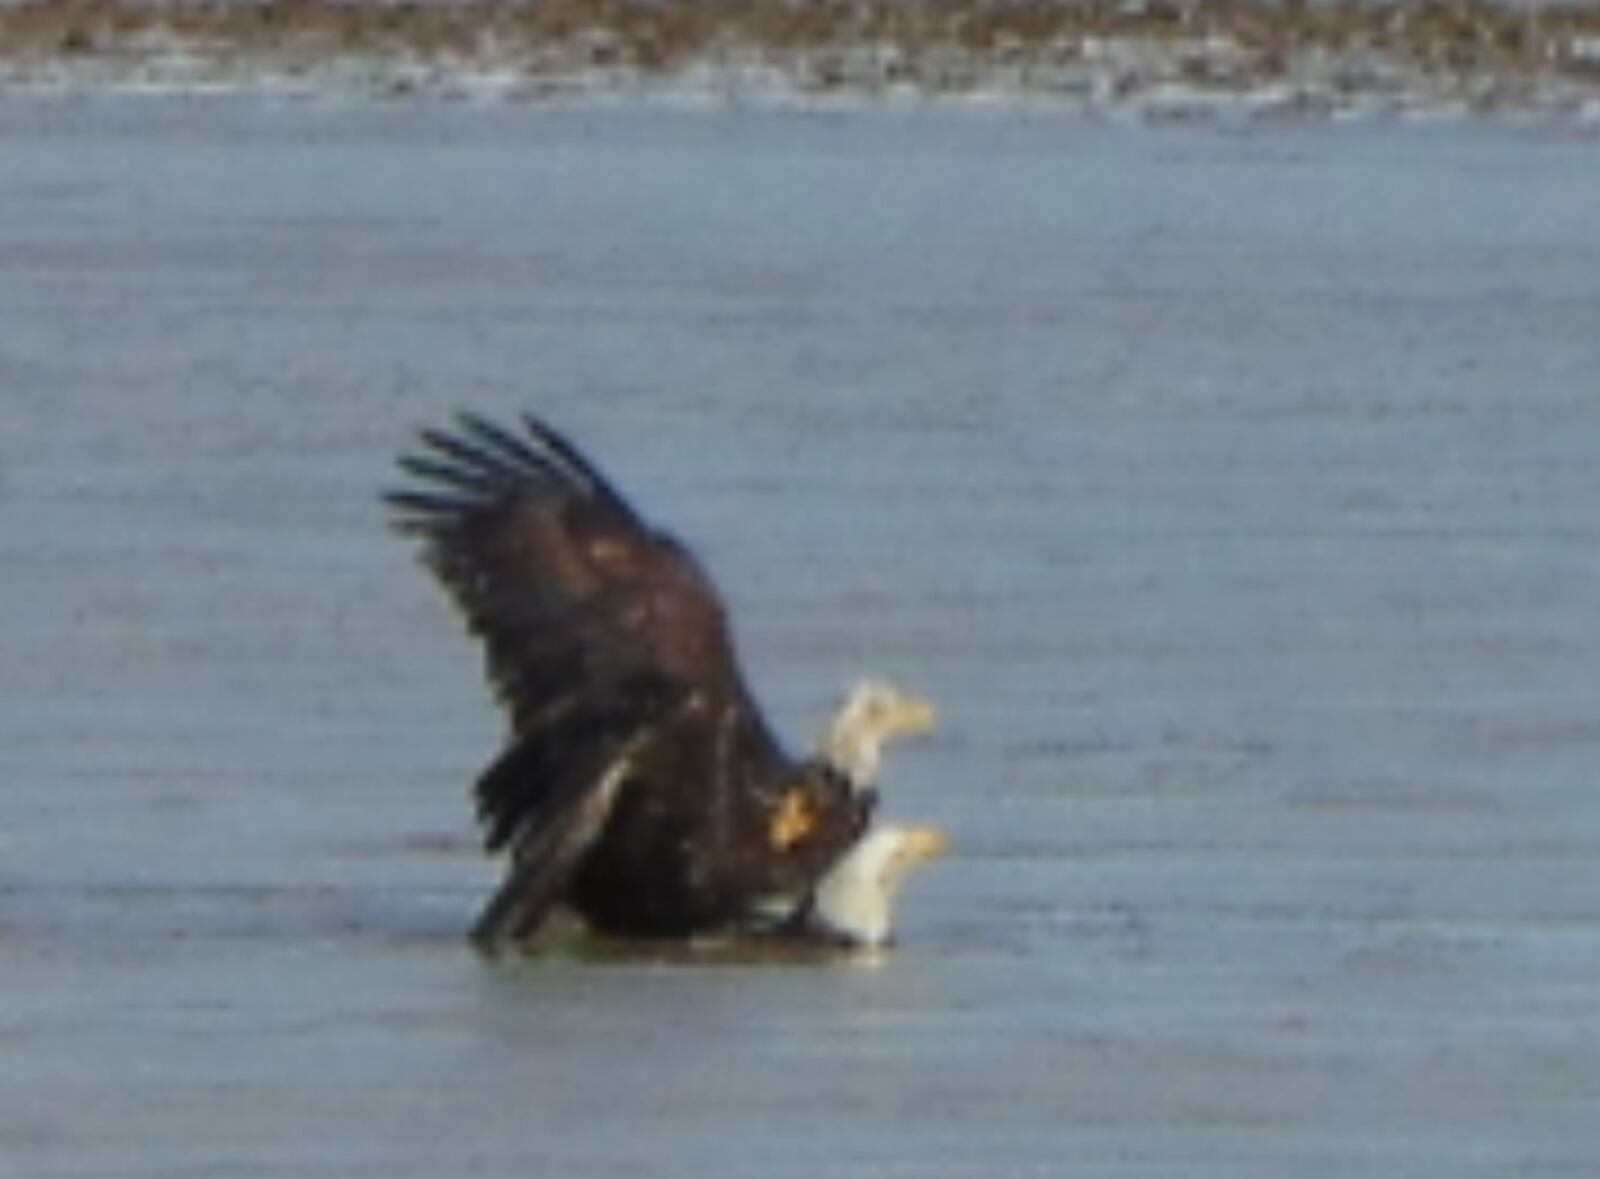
(925, 843)
(914, 716)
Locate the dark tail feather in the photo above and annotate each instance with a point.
(514, 916)
(548, 798)
(548, 833)
(533, 885)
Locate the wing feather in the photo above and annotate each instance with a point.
(550, 794)
(610, 649)
(547, 853)
(554, 570)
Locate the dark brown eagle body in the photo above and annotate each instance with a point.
(640, 785)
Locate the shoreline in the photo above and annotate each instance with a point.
(1158, 57)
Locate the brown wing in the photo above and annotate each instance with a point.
(640, 776)
(571, 592)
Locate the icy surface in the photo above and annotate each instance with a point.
(1233, 493)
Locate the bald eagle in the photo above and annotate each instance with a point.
(640, 786)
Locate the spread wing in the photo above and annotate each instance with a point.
(571, 592)
(607, 644)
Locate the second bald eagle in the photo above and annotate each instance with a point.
(640, 786)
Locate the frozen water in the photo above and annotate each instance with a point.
(1233, 493)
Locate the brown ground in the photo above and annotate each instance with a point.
(942, 45)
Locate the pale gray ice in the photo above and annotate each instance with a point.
(1235, 493)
